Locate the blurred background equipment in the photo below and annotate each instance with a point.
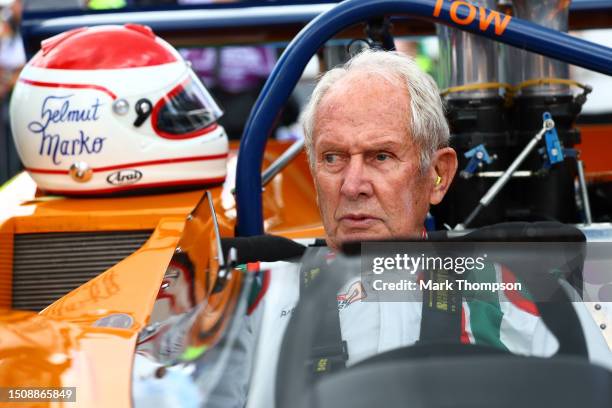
(235, 76)
(12, 59)
(496, 95)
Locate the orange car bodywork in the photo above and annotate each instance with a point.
(595, 151)
(60, 346)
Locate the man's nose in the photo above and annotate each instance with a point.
(356, 181)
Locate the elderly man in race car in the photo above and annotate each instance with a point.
(378, 147)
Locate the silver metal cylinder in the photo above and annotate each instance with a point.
(282, 161)
(467, 59)
(588, 219)
(505, 177)
(548, 13)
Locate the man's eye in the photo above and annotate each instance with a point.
(330, 158)
(382, 157)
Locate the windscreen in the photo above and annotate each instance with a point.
(199, 332)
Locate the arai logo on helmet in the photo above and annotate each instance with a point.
(124, 177)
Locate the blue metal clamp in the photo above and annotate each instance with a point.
(477, 155)
(554, 150)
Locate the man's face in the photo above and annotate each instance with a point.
(366, 165)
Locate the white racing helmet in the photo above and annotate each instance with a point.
(108, 109)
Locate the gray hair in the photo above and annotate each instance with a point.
(427, 123)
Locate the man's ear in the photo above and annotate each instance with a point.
(444, 165)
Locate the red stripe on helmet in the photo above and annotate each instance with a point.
(70, 86)
(137, 164)
(183, 183)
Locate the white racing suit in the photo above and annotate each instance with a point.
(370, 328)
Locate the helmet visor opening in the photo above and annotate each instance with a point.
(186, 111)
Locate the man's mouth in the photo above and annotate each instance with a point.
(358, 220)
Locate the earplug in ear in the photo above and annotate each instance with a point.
(438, 180)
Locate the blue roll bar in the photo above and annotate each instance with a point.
(290, 66)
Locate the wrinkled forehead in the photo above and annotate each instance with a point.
(375, 85)
(364, 102)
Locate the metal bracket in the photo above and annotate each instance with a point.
(554, 150)
(547, 125)
(477, 155)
